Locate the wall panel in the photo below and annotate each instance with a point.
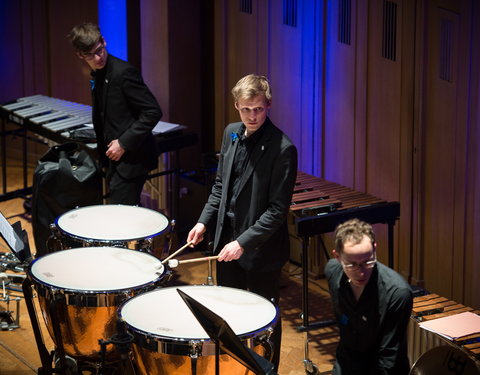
(471, 257)
(388, 134)
(339, 117)
(68, 76)
(285, 71)
(439, 149)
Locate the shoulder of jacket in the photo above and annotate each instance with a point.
(232, 127)
(120, 66)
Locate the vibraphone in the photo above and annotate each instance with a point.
(430, 307)
(50, 119)
(54, 121)
(48, 116)
(318, 206)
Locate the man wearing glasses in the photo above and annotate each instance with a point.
(124, 114)
(372, 305)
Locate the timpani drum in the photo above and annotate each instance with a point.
(114, 225)
(79, 291)
(169, 340)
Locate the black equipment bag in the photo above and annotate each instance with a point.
(66, 177)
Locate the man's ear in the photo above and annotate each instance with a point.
(336, 255)
(236, 106)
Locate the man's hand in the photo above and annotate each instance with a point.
(195, 235)
(231, 251)
(115, 150)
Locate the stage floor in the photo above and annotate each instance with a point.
(18, 350)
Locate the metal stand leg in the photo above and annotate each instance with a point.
(210, 280)
(310, 367)
(390, 243)
(45, 357)
(306, 324)
(4, 159)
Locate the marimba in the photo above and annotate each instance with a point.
(430, 307)
(318, 206)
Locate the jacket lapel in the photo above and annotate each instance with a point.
(228, 160)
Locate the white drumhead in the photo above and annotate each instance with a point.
(112, 222)
(97, 269)
(163, 312)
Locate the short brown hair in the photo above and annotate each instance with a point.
(251, 86)
(352, 231)
(83, 37)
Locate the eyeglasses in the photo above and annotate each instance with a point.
(97, 52)
(247, 111)
(369, 264)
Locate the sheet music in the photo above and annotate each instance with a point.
(165, 127)
(454, 326)
(7, 232)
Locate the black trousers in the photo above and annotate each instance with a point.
(265, 284)
(122, 190)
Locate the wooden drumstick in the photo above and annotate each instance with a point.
(175, 262)
(198, 259)
(176, 252)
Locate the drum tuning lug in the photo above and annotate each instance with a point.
(168, 275)
(195, 349)
(269, 332)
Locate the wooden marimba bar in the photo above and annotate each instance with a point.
(316, 196)
(430, 307)
(319, 206)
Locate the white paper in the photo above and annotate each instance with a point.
(165, 127)
(454, 326)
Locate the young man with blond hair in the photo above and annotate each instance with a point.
(247, 208)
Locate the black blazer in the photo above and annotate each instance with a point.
(263, 201)
(130, 113)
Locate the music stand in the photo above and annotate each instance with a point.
(222, 334)
(16, 239)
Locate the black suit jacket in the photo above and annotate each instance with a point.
(130, 112)
(263, 201)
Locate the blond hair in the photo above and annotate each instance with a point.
(251, 86)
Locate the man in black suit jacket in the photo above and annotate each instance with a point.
(124, 114)
(250, 198)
